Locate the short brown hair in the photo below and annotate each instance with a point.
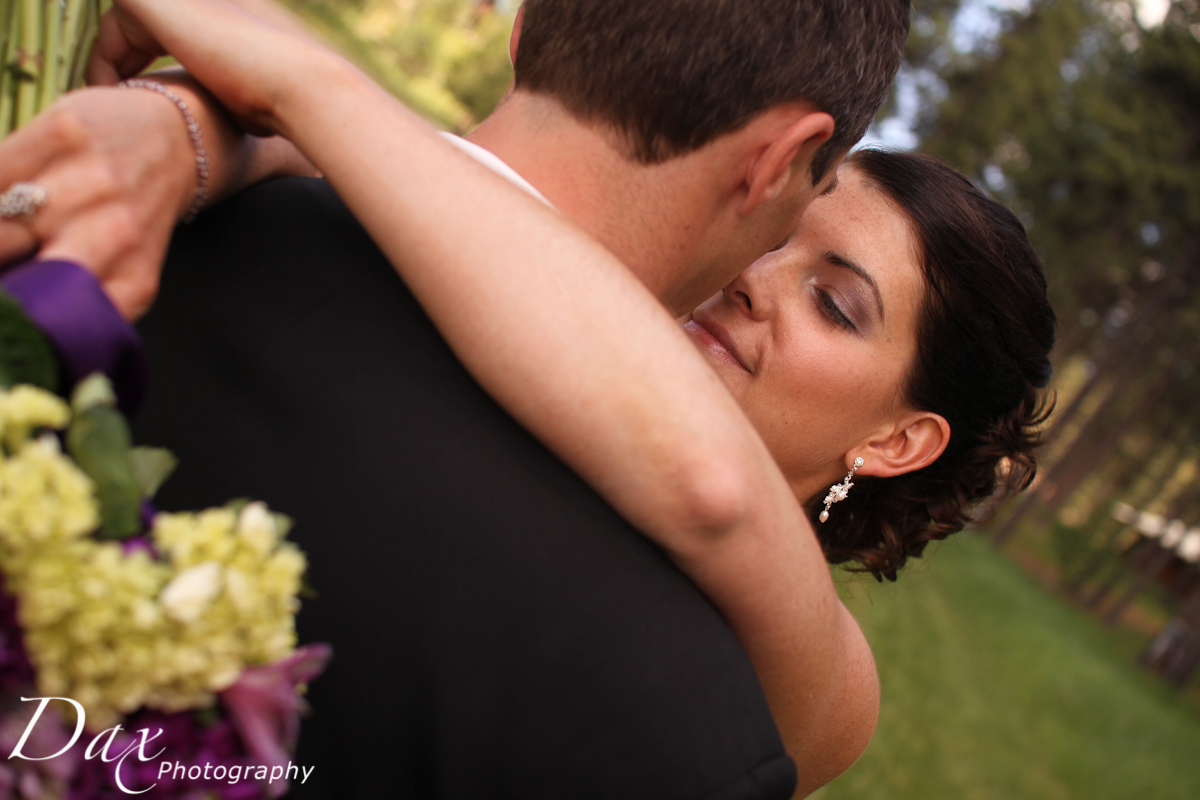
(672, 75)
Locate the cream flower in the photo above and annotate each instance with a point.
(191, 592)
(256, 527)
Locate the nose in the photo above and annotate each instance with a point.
(749, 292)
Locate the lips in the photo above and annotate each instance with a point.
(717, 341)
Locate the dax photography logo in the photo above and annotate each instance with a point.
(103, 746)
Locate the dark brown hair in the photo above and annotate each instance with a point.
(984, 337)
(672, 75)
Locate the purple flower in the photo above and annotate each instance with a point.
(15, 670)
(139, 544)
(33, 780)
(264, 705)
(189, 741)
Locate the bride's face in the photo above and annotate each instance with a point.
(816, 338)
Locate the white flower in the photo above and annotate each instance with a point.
(257, 528)
(187, 596)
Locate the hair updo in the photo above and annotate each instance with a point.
(984, 335)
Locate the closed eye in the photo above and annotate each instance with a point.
(833, 312)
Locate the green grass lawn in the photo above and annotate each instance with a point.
(995, 690)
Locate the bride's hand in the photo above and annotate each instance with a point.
(123, 49)
(119, 169)
(246, 62)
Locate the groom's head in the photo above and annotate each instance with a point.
(669, 76)
(724, 117)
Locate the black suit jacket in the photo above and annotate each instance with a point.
(498, 630)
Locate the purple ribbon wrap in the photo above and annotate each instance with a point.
(90, 335)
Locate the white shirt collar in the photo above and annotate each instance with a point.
(493, 162)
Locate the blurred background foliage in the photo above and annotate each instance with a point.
(446, 59)
(1084, 117)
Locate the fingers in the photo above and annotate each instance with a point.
(101, 69)
(17, 242)
(24, 156)
(122, 49)
(130, 255)
(105, 240)
(86, 183)
(121, 247)
(72, 189)
(133, 298)
(121, 250)
(50, 136)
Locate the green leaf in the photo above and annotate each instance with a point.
(151, 468)
(207, 717)
(25, 354)
(237, 504)
(98, 440)
(283, 523)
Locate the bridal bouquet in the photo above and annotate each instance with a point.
(138, 650)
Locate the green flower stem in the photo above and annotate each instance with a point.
(8, 19)
(6, 7)
(79, 25)
(44, 47)
(85, 40)
(6, 28)
(53, 53)
(29, 60)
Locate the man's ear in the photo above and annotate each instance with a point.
(515, 39)
(786, 140)
(915, 443)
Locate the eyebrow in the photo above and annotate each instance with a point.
(829, 189)
(841, 261)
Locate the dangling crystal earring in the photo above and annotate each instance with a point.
(838, 492)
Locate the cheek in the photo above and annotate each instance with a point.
(796, 403)
(820, 396)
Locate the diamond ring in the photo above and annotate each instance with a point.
(22, 200)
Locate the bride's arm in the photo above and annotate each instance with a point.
(564, 336)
